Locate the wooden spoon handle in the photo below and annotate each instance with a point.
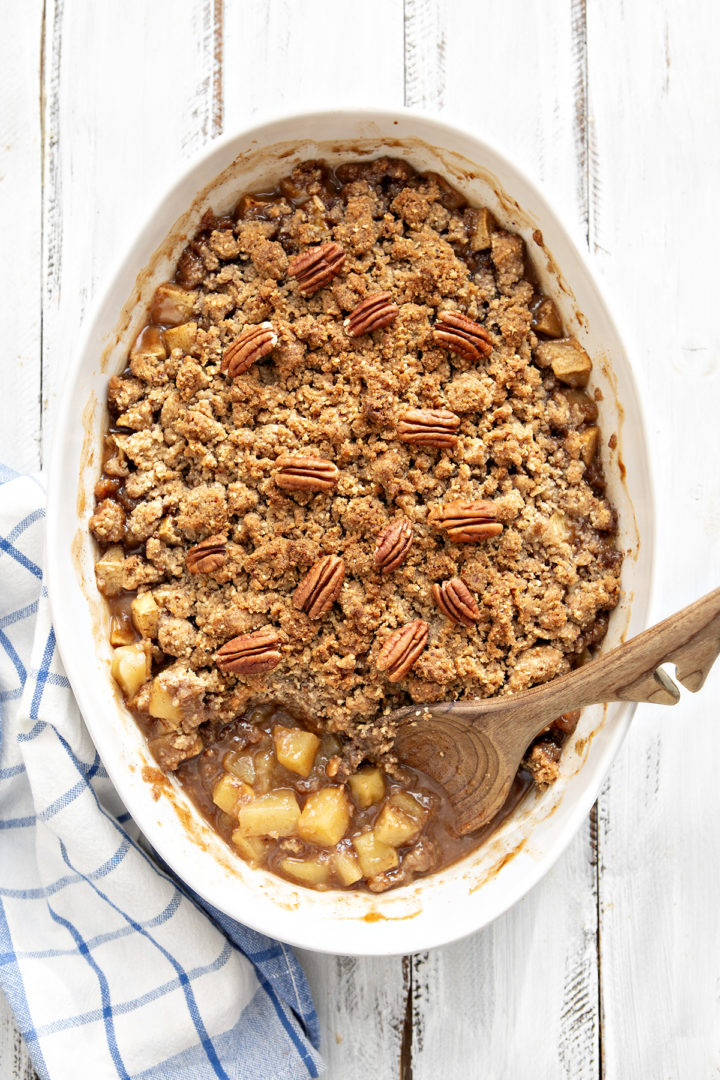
(690, 640)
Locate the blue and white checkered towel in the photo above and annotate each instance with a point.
(110, 967)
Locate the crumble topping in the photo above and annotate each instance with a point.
(201, 426)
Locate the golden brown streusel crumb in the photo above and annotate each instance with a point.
(201, 451)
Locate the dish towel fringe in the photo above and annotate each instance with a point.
(110, 966)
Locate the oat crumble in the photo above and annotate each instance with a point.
(308, 326)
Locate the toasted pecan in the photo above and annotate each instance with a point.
(461, 335)
(392, 545)
(251, 345)
(456, 601)
(402, 648)
(466, 522)
(207, 556)
(317, 266)
(320, 588)
(373, 313)
(300, 472)
(429, 427)
(250, 654)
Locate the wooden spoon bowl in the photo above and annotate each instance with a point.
(474, 748)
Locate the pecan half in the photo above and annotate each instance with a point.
(254, 343)
(393, 545)
(317, 266)
(466, 522)
(373, 313)
(297, 472)
(402, 648)
(456, 601)
(461, 335)
(250, 654)
(429, 427)
(320, 588)
(206, 556)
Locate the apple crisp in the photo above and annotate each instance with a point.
(352, 464)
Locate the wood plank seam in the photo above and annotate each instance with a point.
(406, 1046)
(595, 855)
(424, 39)
(585, 1012)
(210, 90)
(424, 52)
(218, 111)
(51, 184)
(578, 18)
(587, 194)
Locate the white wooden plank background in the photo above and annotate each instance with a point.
(611, 967)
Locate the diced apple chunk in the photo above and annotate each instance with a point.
(589, 439)
(168, 532)
(375, 857)
(482, 237)
(325, 817)
(150, 342)
(240, 765)
(252, 848)
(230, 793)
(145, 615)
(547, 319)
(295, 749)
(172, 304)
(569, 361)
(109, 571)
(181, 337)
(274, 814)
(396, 826)
(583, 410)
(121, 633)
(264, 765)
(367, 786)
(162, 705)
(308, 871)
(347, 867)
(131, 668)
(409, 804)
(557, 530)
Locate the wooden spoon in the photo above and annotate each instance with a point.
(474, 748)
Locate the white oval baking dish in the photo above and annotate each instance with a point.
(468, 895)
